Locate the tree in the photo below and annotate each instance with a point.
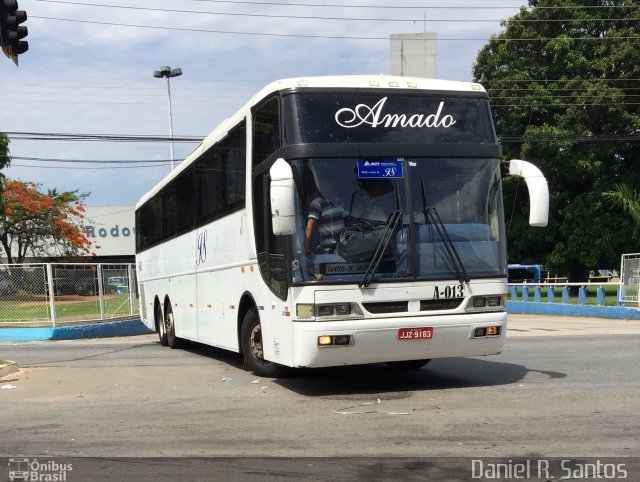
(4, 162)
(4, 152)
(41, 224)
(564, 81)
(627, 198)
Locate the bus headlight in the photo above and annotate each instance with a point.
(343, 310)
(325, 310)
(334, 310)
(485, 303)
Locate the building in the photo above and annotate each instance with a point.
(414, 54)
(112, 232)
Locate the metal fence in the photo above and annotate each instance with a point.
(599, 294)
(65, 293)
(630, 278)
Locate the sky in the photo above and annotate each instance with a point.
(89, 70)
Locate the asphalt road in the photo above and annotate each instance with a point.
(554, 392)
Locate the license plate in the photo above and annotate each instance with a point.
(423, 333)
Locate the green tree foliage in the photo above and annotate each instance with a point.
(564, 82)
(4, 151)
(4, 162)
(627, 198)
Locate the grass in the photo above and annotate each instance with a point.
(68, 309)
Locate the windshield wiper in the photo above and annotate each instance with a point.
(394, 219)
(431, 216)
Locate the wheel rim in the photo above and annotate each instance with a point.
(161, 330)
(255, 341)
(169, 323)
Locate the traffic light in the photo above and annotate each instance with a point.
(11, 33)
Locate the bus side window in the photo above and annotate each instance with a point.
(233, 158)
(266, 131)
(206, 186)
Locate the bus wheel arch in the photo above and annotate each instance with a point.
(250, 337)
(246, 303)
(159, 322)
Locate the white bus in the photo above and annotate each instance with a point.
(336, 221)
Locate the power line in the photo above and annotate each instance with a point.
(314, 36)
(580, 104)
(431, 7)
(571, 138)
(529, 98)
(66, 101)
(126, 87)
(316, 17)
(356, 6)
(95, 161)
(232, 14)
(545, 81)
(117, 94)
(75, 168)
(49, 136)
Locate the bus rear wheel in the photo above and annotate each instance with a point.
(172, 340)
(161, 327)
(252, 348)
(408, 364)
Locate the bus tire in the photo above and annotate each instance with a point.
(172, 340)
(160, 326)
(408, 364)
(252, 350)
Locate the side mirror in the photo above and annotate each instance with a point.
(282, 198)
(538, 191)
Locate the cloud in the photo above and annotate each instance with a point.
(93, 78)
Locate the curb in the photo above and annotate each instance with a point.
(8, 368)
(610, 312)
(96, 330)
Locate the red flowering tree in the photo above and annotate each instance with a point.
(37, 224)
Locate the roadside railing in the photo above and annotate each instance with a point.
(586, 293)
(59, 293)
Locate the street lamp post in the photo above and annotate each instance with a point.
(168, 72)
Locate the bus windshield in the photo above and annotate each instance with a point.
(450, 219)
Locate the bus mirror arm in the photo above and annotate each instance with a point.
(282, 198)
(538, 190)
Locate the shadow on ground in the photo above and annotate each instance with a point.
(352, 382)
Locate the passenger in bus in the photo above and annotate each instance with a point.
(325, 222)
(372, 200)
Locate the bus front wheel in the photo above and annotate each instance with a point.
(252, 348)
(161, 327)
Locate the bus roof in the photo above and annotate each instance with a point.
(339, 81)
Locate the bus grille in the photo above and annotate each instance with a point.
(403, 306)
(432, 305)
(387, 307)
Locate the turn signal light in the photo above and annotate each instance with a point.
(486, 331)
(338, 340)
